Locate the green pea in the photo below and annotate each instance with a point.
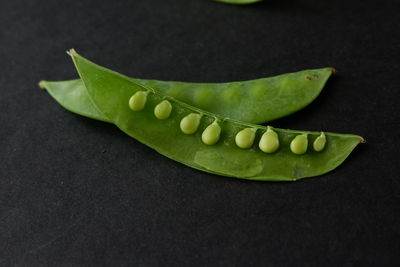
(319, 143)
(138, 101)
(211, 134)
(190, 123)
(245, 138)
(299, 144)
(269, 141)
(163, 110)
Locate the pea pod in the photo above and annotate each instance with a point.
(255, 101)
(110, 93)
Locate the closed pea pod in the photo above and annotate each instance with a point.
(269, 141)
(211, 134)
(295, 91)
(163, 110)
(319, 143)
(190, 123)
(299, 144)
(138, 101)
(245, 138)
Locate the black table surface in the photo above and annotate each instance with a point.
(78, 192)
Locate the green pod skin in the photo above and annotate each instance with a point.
(110, 92)
(72, 96)
(254, 101)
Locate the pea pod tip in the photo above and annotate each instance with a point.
(72, 52)
(42, 84)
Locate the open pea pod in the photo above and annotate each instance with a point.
(254, 101)
(207, 141)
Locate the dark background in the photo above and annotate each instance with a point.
(77, 192)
